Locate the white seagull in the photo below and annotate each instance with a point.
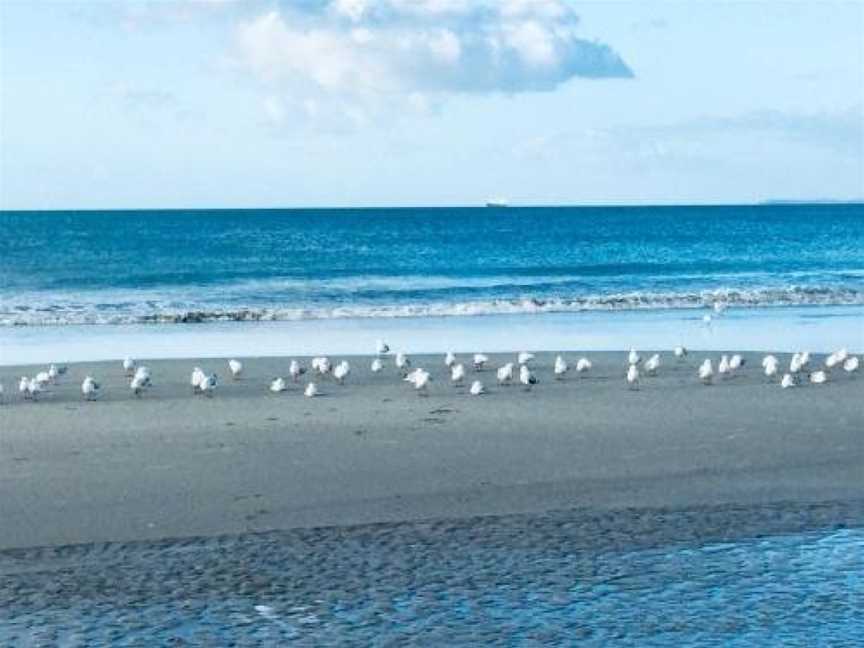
(311, 390)
(236, 368)
(420, 379)
(652, 365)
(524, 357)
(402, 363)
(90, 388)
(505, 374)
(723, 369)
(706, 372)
(321, 365)
(449, 359)
(526, 377)
(583, 365)
(278, 385)
(480, 360)
(818, 377)
(633, 377)
(832, 361)
(129, 366)
(851, 364)
(477, 388)
(633, 358)
(377, 365)
(341, 371)
(42, 378)
(769, 360)
(196, 379)
(208, 385)
(680, 352)
(771, 370)
(560, 368)
(457, 374)
(138, 385)
(24, 386)
(787, 381)
(295, 370)
(53, 374)
(736, 362)
(34, 388)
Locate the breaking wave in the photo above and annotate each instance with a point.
(152, 311)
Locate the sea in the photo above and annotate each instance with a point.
(105, 284)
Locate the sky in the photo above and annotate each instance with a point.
(317, 103)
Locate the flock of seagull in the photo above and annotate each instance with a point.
(802, 367)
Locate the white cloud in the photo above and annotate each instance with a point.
(371, 52)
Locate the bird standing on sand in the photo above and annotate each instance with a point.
(341, 371)
(129, 366)
(787, 381)
(524, 358)
(381, 348)
(706, 372)
(24, 387)
(477, 388)
(769, 360)
(723, 367)
(735, 362)
(480, 360)
(633, 377)
(34, 388)
(583, 366)
(652, 365)
(321, 365)
(831, 361)
(42, 378)
(208, 385)
(236, 368)
(680, 352)
(295, 370)
(196, 379)
(403, 363)
(53, 374)
(851, 364)
(138, 385)
(560, 368)
(420, 379)
(633, 357)
(527, 378)
(505, 374)
(311, 390)
(278, 385)
(377, 365)
(818, 377)
(457, 374)
(90, 388)
(449, 359)
(771, 370)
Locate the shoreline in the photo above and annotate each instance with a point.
(170, 465)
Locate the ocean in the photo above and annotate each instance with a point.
(466, 276)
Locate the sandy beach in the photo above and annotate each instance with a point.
(174, 465)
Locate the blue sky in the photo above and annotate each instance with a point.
(428, 102)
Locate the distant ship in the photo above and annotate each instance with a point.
(497, 203)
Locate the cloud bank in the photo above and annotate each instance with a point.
(360, 50)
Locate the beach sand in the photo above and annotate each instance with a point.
(174, 465)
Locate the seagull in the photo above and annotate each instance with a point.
(278, 385)
(236, 368)
(142, 373)
(53, 373)
(24, 387)
(402, 363)
(842, 354)
(196, 379)
(736, 362)
(138, 385)
(321, 365)
(583, 365)
(771, 370)
(524, 358)
(680, 352)
(526, 377)
(723, 369)
(795, 365)
(652, 365)
(769, 360)
(377, 365)
(129, 366)
(560, 368)
(706, 372)
(477, 388)
(208, 385)
(633, 357)
(818, 377)
(296, 370)
(633, 377)
(787, 381)
(311, 390)
(832, 361)
(381, 348)
(480, 360)
(805, 359)
(90, 388)
(34, 388)
(851, 364)
(505, 374)
(42, 378)
(457, 374)
(449, 359)
(341, 371)
(420, 379)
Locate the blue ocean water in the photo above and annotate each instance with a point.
(179, 266)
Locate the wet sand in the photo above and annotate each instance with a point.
(174, 465)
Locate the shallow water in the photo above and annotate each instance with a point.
(638, 578)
